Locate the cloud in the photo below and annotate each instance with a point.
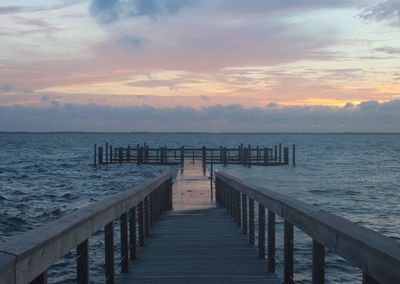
(388, 50)
(367, 116)
(132, 42)
(388, 12)
(109, 11)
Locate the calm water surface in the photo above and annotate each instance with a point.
(45, 176)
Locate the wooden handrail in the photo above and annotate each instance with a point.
(376, 255)
(24, 259)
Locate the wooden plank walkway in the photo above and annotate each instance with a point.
(197, 242)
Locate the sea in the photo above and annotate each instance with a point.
(45, 176)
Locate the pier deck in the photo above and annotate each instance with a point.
(196, 242)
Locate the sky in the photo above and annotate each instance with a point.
(195, 65)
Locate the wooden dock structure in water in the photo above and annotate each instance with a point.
(196, 242)
(174, 232)
(144, 154)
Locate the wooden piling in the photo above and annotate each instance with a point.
(286, 155)
(294, 154)
(94, 156)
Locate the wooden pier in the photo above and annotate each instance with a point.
(196, 242)
(144, 154)
(177, 234)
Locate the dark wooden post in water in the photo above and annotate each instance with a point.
(120, 154)
(107, 153)
(276, 153)
(137, 154)
(111, 153)
(286, 155)
(294, 154)
(128, 154)
(280, 152)
(94, 156)
(249, 157)
(265, 156)
(100, 158)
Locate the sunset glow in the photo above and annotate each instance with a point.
(199, 53)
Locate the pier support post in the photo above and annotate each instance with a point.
(124, 243)
(94, 156)
(249, 161)
(244, 213)
(318, 263)
(132, 233)
(294, 154)
(107, 153)
(109, 250)
(288, 253)
(261, 231)
(286, 156)
(271, 241)
(280, 152)
(100, 158)
(251, 221)
(82, 263)
(141, 224)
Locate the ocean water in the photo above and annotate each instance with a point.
(356, 176)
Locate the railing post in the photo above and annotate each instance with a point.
(82, 263)
(261, 231)
(318, 263)
(251, 221)
(244, 213)
(271, 241)
(41, 279)
(238, 210)
(146, 216)
(107, 156)
(141, 223)
(288, 253)
(182, 156)
(109, 251)
(124, 243)
(132, 233)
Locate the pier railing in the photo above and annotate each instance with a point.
(143, 154)
(27, 259)
(376, 255)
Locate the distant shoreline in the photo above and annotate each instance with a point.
(197, 133)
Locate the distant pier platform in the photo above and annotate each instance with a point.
(244, 155)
